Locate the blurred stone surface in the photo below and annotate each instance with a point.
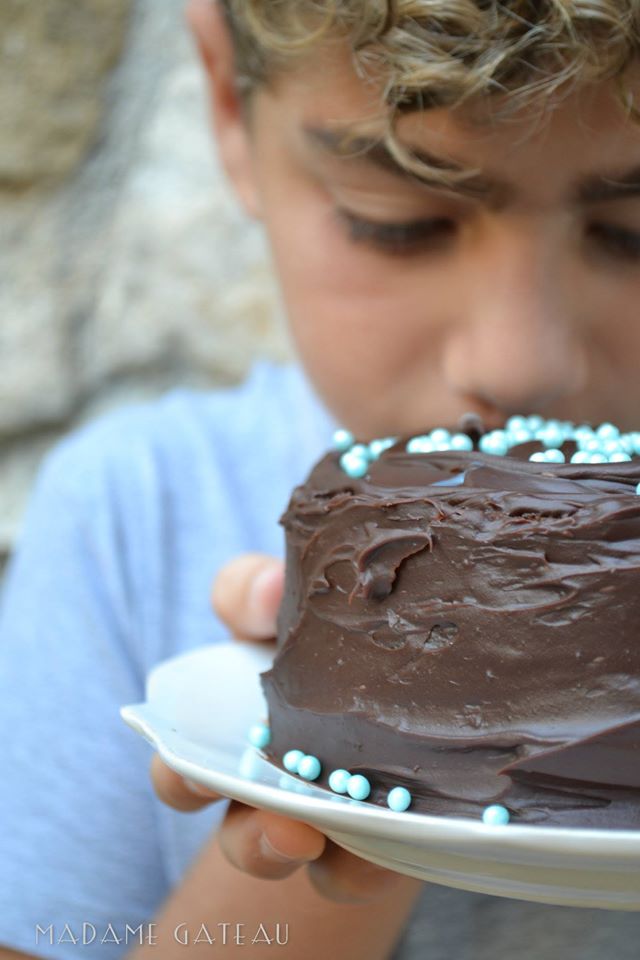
(188, 286)
(53, 57)
(19, 464)
(34, 388)
(138, 273)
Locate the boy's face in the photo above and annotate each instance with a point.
(524, 299)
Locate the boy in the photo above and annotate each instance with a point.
(499, 276)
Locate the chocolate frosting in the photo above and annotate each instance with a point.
(466, 625)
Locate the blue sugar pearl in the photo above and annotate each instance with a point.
(580, 456)
(338, 780)
(554, 424)
(607, 431)
(360, 450)
(538, 457)
(440, 435)
(376, 447)
(496, 815)
(516, 424)
(460, 441)
(583, 432)
(626, 443)
(354, 466)
(638, 489)
(358, 787)
(636, 442)
(292, 759)
(496, 442)
(619, 457)
(421, 444)
(398, 799)
(551, 436)
(342, 439)
(610, 446)
(535, 422)
(590, 444)
(259, 735)
(598, 458)
(309, 767)
(519, 436)
(554, 456)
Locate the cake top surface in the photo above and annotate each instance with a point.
(529, 453)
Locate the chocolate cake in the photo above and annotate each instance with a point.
(461, 619)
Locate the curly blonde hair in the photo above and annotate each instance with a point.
(446, 53)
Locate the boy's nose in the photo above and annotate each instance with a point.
(517, 348)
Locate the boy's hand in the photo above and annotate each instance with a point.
(246, 596)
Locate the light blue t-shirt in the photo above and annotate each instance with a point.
(128, 523)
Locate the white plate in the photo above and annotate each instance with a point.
(199, 708)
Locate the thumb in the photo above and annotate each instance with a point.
(247, 593)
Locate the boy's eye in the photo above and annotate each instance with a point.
(615, 241)
(405, 237)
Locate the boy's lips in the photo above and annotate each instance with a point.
(477, 420)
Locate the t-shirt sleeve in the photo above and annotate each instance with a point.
(78, 831)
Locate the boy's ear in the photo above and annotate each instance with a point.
(213, 40)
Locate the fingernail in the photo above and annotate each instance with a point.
(269, 852)
(197, 788)
(262, 618)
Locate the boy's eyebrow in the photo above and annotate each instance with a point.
(375, 152)
(599, 189)
(593, 188)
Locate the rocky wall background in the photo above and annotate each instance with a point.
(126, 265)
